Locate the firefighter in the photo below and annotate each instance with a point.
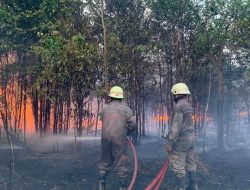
(117, 122)
(180, 139)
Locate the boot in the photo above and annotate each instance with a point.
(123, 188)
(123, 183)
(102, 180)
(101, 186)
(192, 181)
(180, 183)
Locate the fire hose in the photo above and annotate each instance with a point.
(130, 187)
(156, 182)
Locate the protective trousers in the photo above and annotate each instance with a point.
(182, 160)
(192, 181)
(114, 153)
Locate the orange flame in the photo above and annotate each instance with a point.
(242, 114)
(161, 118)
(197, 118)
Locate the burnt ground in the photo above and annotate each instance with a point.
(55, 167)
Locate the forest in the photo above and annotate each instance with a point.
(59, 58)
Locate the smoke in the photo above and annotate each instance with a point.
(56, 143)
(6, 146)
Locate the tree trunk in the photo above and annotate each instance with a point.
(41, 110)
(24, 111)
(80, 116)
(61, 110)
(205, 119)
(35, 109)
(97, 114)
(217, 61)
(67, 117)
(220, 104)
(20, 108)
(55, 117)
(248, 116)
(228, 121)
(105, 58)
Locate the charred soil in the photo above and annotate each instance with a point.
(58, 167)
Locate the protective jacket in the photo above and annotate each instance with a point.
(181, 134)
(117, 120)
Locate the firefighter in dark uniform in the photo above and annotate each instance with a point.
(117, 121)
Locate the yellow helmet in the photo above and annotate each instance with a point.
(180, 88)
(116, 92)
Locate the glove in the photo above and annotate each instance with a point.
(130, 132)
(169, 148)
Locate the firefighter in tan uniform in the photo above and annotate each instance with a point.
(117, 122)
(180, 139)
